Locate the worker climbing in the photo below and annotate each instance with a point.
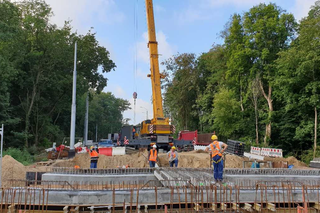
(153, 156)
(93, 158)
(216, 149)
(173, 157)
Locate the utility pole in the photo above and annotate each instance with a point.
(96, 132)
(146, 111)
(1, 133)
(73, 106)
(85, 140)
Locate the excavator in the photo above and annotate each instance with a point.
(157, 131)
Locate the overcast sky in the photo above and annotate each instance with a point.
(183, 26)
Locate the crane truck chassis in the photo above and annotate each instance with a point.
(129, 136)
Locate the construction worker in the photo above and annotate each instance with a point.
(94, 158)
(216, 149)
(173, 157)
(153, 156)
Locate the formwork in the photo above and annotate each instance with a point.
(171, 190)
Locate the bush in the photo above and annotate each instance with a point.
(23, 156)
(307, 155)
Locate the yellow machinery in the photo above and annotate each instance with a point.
(159, 127)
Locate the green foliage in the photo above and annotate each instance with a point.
(226, 113)
(307, 155)
(262, 82)
(23, 156)
(36, 63)
(181, 90)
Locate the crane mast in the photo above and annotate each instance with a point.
(154, 63)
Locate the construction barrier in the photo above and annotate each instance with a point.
(255, 150)
(118, 150)
(199, 147)
(270, 152)
(106, 151)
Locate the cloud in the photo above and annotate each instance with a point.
(301, 8)
(141, 74)
(159, 8)
(191, 14)
(140, 112)
(85, 13)
(165, 49)
(119, 92)
(237, 3)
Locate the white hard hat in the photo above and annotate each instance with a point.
(154, 146)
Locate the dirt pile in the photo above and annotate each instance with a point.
(12, 169)
(291, 161)
(137, 160)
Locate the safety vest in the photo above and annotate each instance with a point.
(173, 155)
(153, 155)
(93, 154)
(215, 148)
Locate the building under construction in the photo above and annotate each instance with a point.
(164, 190)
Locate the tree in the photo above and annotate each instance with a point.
(37, 61)
(299, 75)
(226, 112)
(212, 68)
(181, 90)
(254, 43)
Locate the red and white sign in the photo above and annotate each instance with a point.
(270, 152)
(255, 150)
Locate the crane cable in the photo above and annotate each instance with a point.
(135, 32)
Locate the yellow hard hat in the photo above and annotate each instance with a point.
(173, 147)
(214, 137)
(91, 147)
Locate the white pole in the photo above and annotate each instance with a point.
(73, 106)
(86, 120)
(2, 133)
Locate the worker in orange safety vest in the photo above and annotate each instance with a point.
(93, 158)
(173, 157)
(153, 156)
(216, 149)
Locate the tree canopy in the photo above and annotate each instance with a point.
(260, 86)
(36, 66)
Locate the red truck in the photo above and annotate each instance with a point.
(198, 139)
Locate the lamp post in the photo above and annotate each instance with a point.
(146, 111)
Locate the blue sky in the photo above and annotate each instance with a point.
(190, 26)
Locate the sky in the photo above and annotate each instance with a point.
(182, 26)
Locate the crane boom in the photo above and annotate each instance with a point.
(154, 62)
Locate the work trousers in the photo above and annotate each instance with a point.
(93, 164)
(174, 162)
(152, 164)
(217, 168)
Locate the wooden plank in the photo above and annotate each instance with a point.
(235, 206)
(248, 207)
(257, 207)
(271, 207)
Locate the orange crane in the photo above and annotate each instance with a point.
(159, 127)
(157, 130)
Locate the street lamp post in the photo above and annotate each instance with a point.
(146, 111)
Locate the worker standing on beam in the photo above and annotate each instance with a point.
(216, 149)
(153, 156)
(173, 157)
(93, 158)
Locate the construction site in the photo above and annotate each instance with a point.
(132, 170)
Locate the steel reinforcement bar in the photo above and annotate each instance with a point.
(122, 171)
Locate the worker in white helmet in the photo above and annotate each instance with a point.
(153, 156)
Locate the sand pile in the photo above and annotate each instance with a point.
(291, 161)
(193, 159)
(12, 169)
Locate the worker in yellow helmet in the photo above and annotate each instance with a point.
(173, 157)
(216, 149)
